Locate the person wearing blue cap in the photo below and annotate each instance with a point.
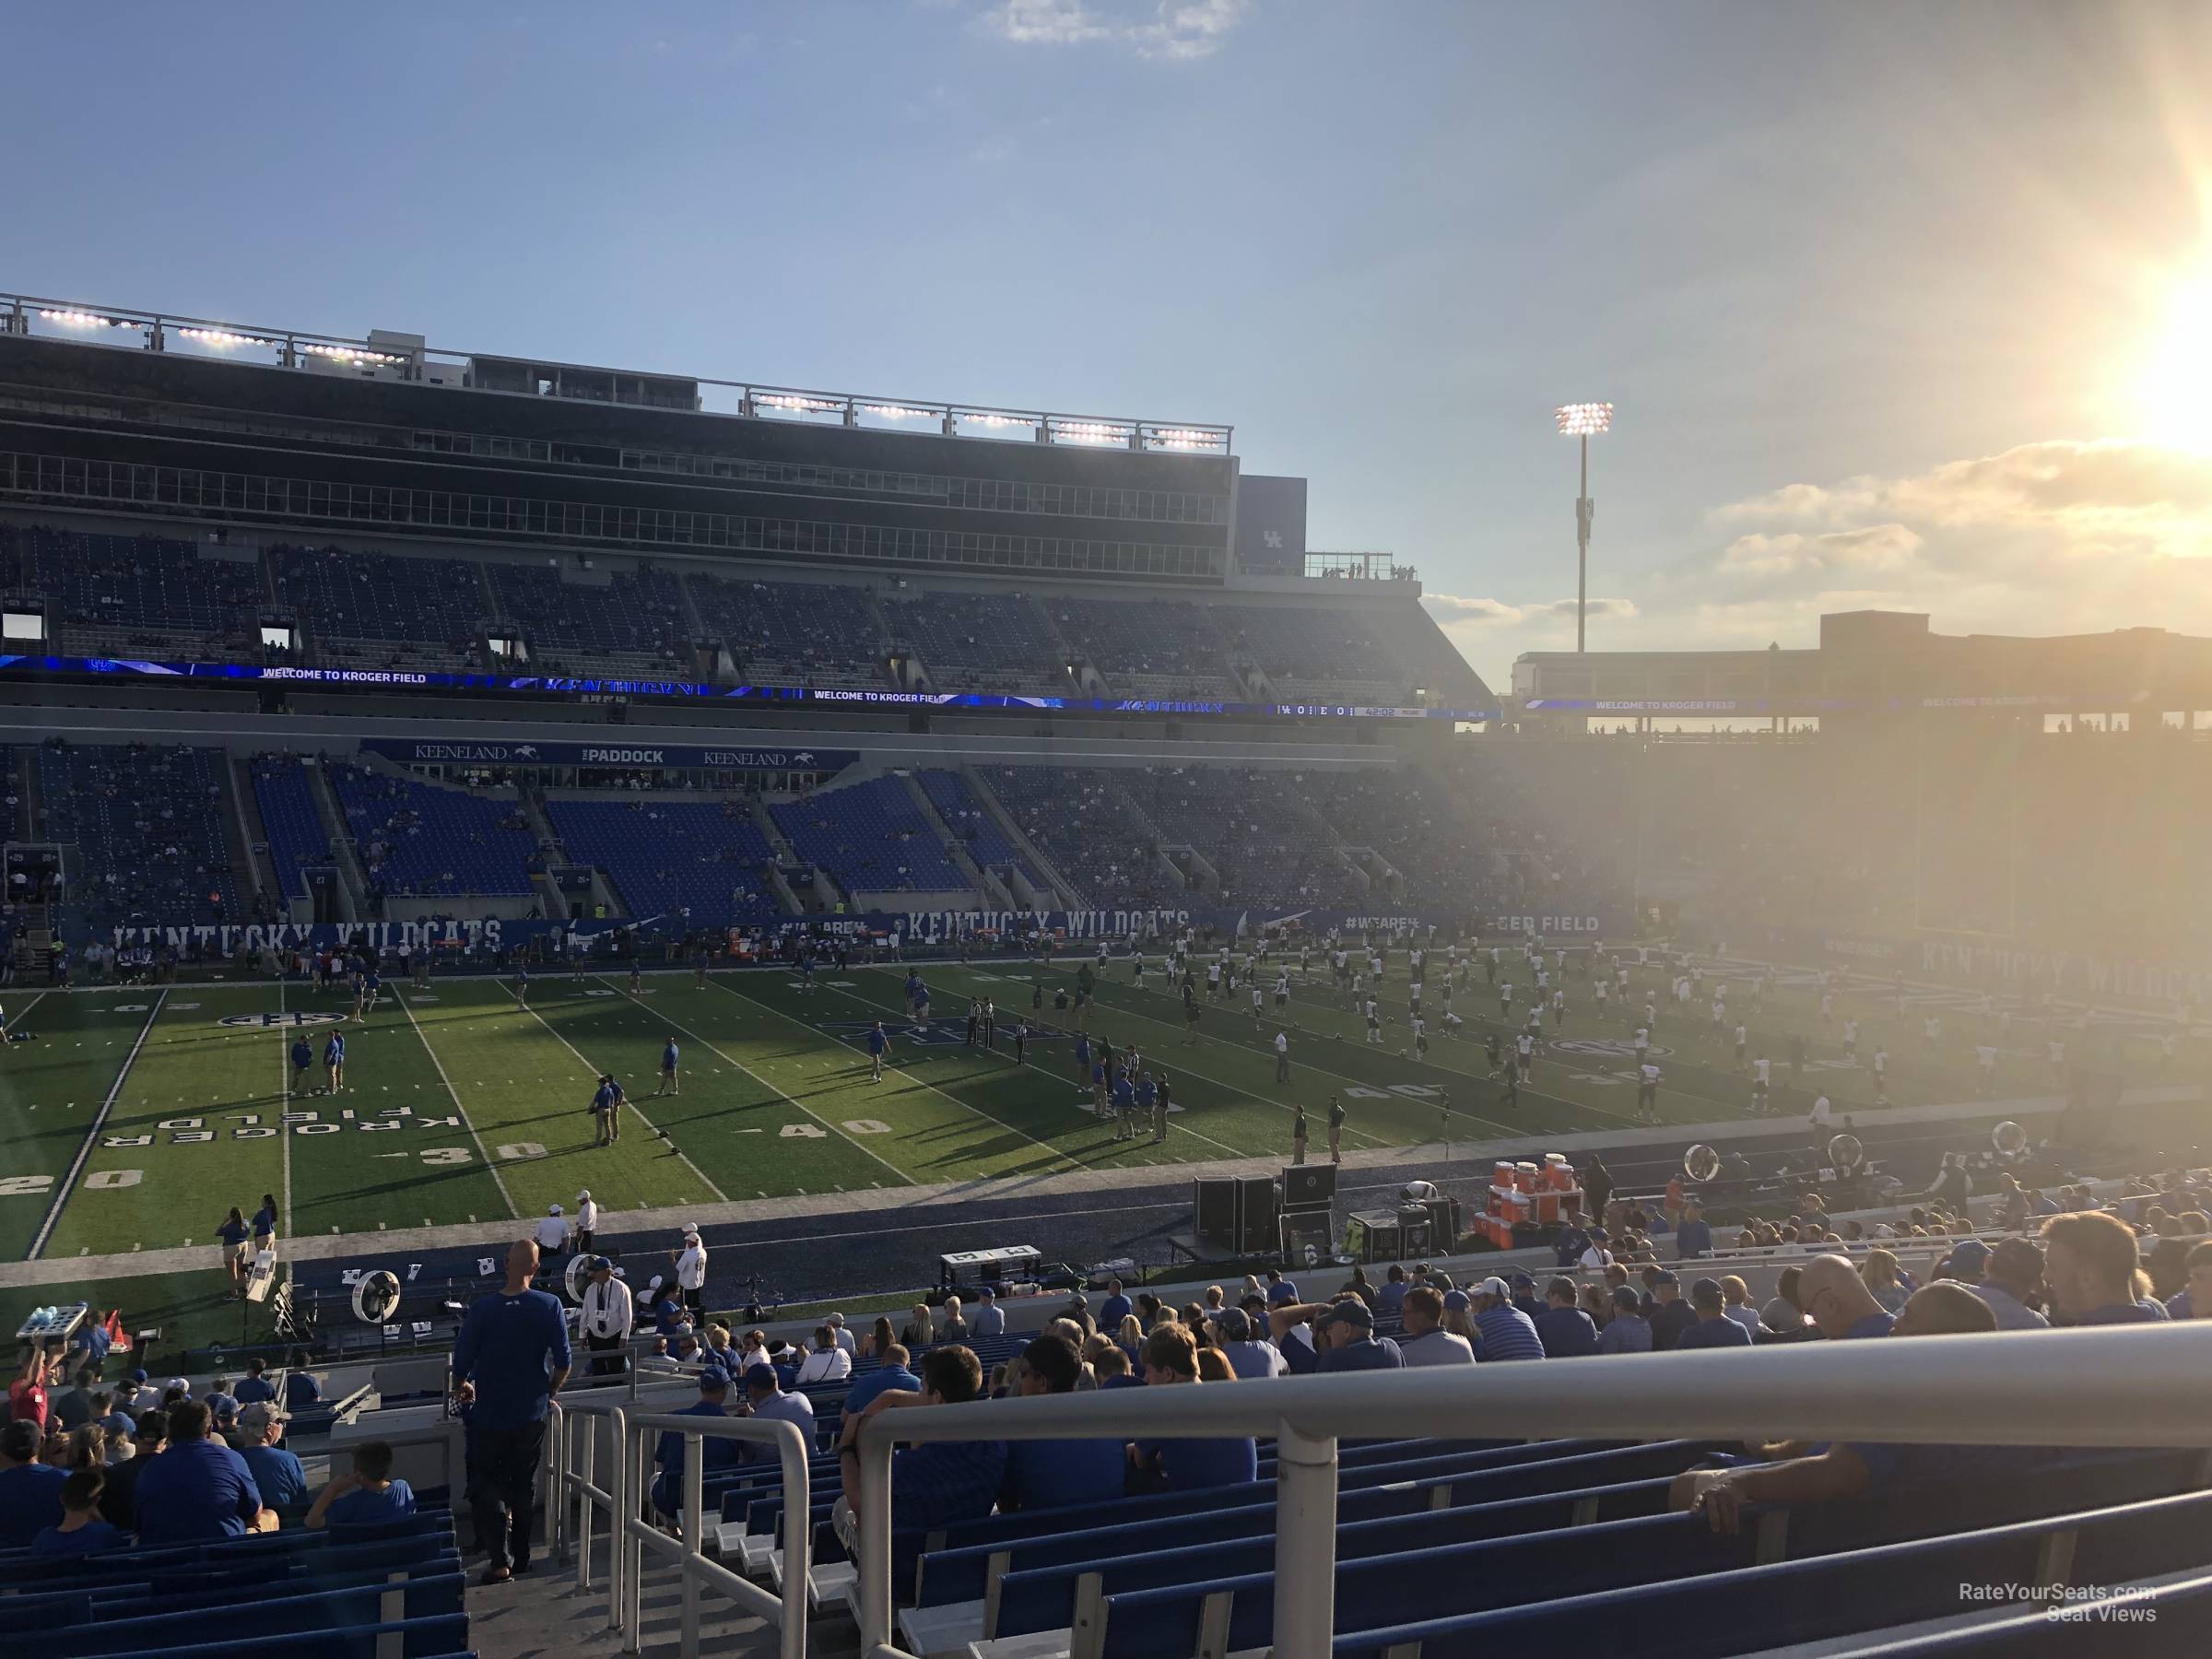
(719, 1452)
(1628, 1332)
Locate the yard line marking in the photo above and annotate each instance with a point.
(497, 1179)
(284, 1129)
(720, 1195)
(92, 1135)
(1068, 1158)
(789, 1100)
(22, 1012)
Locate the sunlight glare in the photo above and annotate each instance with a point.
(2174, 392)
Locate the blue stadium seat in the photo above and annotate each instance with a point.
(297, 839)
(632, 624)
(666, 857)
(870, 837)
(975, 827)
(421, 839)
(991, 641)
(148, 824)
(1079, 819)
(365, 606)
(795, 633)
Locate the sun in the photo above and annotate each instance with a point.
(2173, 393)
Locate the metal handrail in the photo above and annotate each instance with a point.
(787, 1612)
(2114, 1386)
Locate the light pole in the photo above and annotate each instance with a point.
(1582, 420)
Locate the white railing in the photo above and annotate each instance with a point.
(639, 1435)
(2138, 1386)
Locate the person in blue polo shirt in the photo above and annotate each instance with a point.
(1566, 1332)
(2095, 1272)
(1507, 1333)
(1353, 1344)
(1713, 1328)
(31, 1491)
(878, 1042)
(334, 1061)
(1693, 1237)
(669, 1082)
(303, 1056)
(511, 1359)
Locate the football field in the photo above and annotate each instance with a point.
(133, 1119)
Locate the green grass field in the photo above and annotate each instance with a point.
(135, 1118)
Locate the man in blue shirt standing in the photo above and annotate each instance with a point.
(303, 1056)
(510, 1360)
(1115, 1308)
(668, 1077)
(199, 1491)
(334, 1061)
(1693, 1237)
(878, 1042)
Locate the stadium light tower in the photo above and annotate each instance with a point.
(1582, 420)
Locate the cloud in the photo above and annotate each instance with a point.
(1562, 610)
(1454, 609)
(2116, 485)
(1793, 553)
(1170, 30)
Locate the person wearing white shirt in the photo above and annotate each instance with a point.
(691, 1270)
(844, 1338)
(1823, 1116)
(587, 1220)
(552, 1234)
(828, 1362)
(605, 1318)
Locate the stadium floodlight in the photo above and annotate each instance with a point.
(221, 338)
(1582, 421)
(897, 411)
(78, 319)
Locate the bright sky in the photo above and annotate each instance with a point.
(1900, 305)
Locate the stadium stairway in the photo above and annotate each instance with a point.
(247, 806)
(344, 853)
(993, 889)
(1063, 890)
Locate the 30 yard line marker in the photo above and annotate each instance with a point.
(91, 1139)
